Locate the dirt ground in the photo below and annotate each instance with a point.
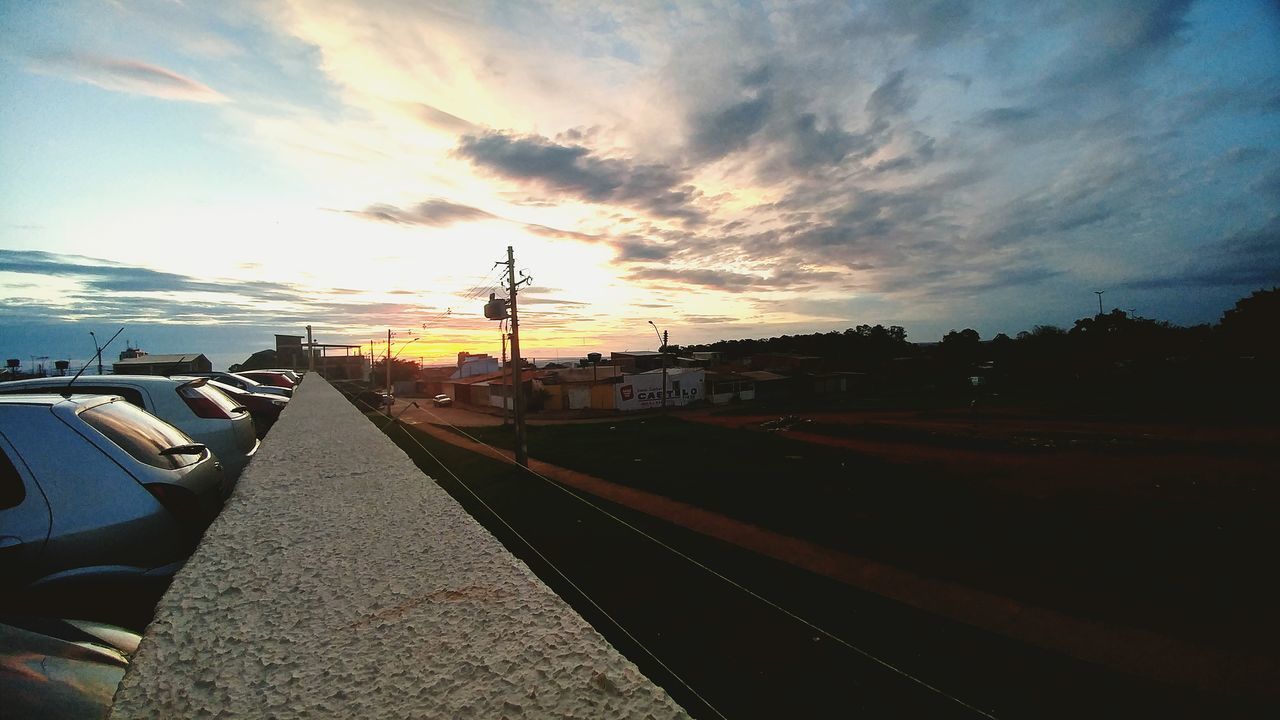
(1003, 452)
(1042, 456)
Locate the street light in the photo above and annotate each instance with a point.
(97, 351)
(662, 349)
(1099, 294)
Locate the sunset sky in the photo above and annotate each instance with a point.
(206, 174)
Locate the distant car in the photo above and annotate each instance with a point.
(61, 669)
(264, 408)
(96, 493)
(206, 415)
(269, 377)
(242, 382)
(294, 375)
(374, 399)
(442, 401)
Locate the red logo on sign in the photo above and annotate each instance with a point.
(627, 391)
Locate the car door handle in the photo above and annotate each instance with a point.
(10, 542)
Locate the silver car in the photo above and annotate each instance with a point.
(94, 490)
(244, 383)
(207, 416)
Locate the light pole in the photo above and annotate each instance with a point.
(662, 349)
(97, 351)
(1099, 294)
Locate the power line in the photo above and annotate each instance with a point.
(553, 566)
(864, 653)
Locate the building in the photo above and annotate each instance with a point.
(582, 388)
(639, 361)
(291, 352)
(725, 387)
(162, 364)
(643, 391)
(470, 365)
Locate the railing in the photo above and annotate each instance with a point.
(340, 581)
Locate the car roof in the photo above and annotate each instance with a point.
(93, 379)
(50, 399)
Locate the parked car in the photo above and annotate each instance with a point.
(269, 377)
(294, 375)
(264, 408)
(187, 403)
(98, 499)
(61, 669)
(375, 399)
(241, 382)
(442, 400)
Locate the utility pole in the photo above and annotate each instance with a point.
(499, 309)
(506, 411)
(388, 370)
(662, 350)
(522, 443)
(1099, 294)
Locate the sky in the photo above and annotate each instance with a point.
(207, 174)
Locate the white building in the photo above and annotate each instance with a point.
(644, 390)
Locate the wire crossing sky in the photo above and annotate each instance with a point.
(207, 174)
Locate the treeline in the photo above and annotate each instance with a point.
(1251, 327)
(1113, 359)
(861, 347)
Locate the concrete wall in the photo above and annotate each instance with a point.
(341, 582)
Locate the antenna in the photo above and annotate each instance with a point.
(98, 357)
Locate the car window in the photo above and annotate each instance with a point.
(12, 491)
(219, 398)
(140, 434)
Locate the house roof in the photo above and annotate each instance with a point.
(159, 359)
(762, 375)
(673, 371)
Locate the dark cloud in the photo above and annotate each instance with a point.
(636, 249)
(732, 281)
(1005, 116)
(575, 171)
(435, 212)
(931, 22)
(1119, 40)
(892, 97)
(1246, 258)
(126, 279)
(719, 133)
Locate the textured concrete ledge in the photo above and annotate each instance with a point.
(341, 582)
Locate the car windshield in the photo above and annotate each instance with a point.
(140, 434)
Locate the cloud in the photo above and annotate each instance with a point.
(892, 97)
(733, 282)
(1245, 258)
(435, 212)
(437, 118)
(128, 76)
(576, 171)
(1116, 41)
(729, 129)
(634, 249)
